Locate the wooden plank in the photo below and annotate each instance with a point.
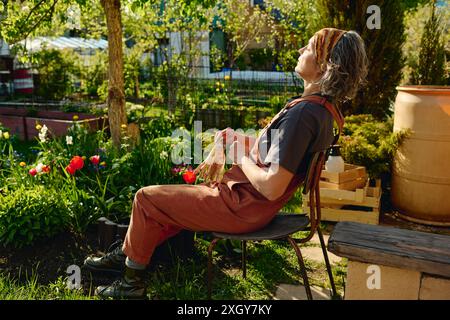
(351, 172)
(358, 195)
(375, 191)
(368, 202)
(369, 196)
(349, 185)
(338, 215)
(389, 246)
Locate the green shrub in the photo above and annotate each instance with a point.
(161, 126)
(82, 207)
(430, 69)
(134, 111)
(370, 143)
(57, 72)
(29, 214)
(95, 74)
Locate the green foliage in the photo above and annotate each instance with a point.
(430, 67)
(256, 60)
(56, 73)
(132, 68)
(370, 143)
(31, 289)
(82, 206)
(383, 46)
(243, 25)
(134, 111)
(297, 23)
(161, 126)
(27, 214)
(94, 75)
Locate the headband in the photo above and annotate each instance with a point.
(326, 39)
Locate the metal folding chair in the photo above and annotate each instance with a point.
(283, 226)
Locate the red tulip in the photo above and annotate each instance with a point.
(95, 159)
(71, 170)
(77, 163)
(46, 169)
(189, 177)
(33, 172)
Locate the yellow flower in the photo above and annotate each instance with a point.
(217, 89)
(38, 127)
(6, 135)
(83, 157)
(75, 117)
(227, 78)
(223, 85)
(218, 83)
(123, 126)
(103, 163)
(22, 164)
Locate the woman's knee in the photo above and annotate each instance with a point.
(144, 193)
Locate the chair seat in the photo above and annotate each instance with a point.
(280, 227)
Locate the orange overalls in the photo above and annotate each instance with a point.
(232, 206)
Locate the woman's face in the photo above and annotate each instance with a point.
(307, 67)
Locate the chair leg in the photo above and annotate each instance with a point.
(302, 267)
(327, 262)
(244, 259)
(210, 266)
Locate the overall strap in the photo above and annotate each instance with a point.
(335, 112)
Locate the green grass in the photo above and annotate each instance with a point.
(30, 289)
(155, 111)
(269, 263)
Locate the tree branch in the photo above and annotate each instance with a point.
(50, 11)
(31, 12)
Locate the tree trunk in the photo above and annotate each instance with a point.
(116, 95)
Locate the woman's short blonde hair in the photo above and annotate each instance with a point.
(346, 70)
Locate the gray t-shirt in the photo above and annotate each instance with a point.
(303, 129)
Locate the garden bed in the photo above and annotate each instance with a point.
(22, 120)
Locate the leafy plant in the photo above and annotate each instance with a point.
(29, 214)
(370, 143)
(56, 71)
(94, 75)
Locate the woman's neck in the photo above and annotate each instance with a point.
(310, 88)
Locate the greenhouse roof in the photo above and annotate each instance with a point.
(38, 43)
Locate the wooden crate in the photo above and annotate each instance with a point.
(333, 204)
(352, 178)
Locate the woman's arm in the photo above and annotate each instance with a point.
(271, 182)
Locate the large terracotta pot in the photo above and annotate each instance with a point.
(421, 168)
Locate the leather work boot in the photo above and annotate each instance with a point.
(113, 261)
(131, 286)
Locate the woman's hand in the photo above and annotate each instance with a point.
(212, 166)
(211, 169)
